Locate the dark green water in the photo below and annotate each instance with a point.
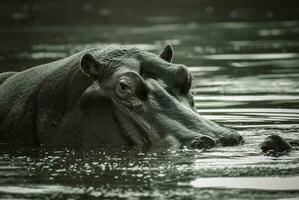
(246, 76)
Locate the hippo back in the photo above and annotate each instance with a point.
(25, 94)
(4, 76)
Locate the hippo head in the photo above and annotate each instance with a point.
(152, 98)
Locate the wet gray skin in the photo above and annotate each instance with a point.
(116, 95)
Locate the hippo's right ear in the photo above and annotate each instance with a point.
(167, 53)
(90, 66)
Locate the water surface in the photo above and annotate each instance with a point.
(246, 76)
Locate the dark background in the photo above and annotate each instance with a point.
(16, 13)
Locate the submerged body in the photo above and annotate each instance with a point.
(114, 95)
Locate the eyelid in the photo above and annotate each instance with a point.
(123, 82)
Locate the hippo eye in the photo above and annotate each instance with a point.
(123, 85)
(130, 85)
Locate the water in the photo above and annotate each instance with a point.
(246, 76)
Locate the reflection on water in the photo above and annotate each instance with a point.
(245, 77)
(114, 172)
(252, 56)
(260, 183)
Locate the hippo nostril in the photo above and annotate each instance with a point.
(202, 142)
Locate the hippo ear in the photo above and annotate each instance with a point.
(90, 66)
(167, 53)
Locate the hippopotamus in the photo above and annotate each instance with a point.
(112, 95)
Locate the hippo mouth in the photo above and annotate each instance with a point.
(137, 129)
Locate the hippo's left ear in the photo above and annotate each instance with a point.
(90, 66)
(167, 53)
